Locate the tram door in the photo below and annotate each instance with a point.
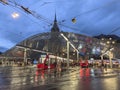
(46, 62)
(42, 62)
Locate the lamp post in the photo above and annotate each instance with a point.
(102, 57)
(77, 55)
(110, 58)
(110, 44)
(68, 46)
(25, 56)
(68, 55)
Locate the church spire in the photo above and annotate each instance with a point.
(55, 20)
(55, 27)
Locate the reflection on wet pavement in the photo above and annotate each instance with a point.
(27, 78)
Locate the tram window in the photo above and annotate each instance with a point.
(46, 63)
(52, 61)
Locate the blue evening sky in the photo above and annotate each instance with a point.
(93, 17)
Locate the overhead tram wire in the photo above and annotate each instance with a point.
(28, 11)
(6, 3)
(73, 20)
(44, 3)
(36, 15)
(26, 16)
(19, 34)
(114, 30)
(39, 16)
(110, 3)
(35, 2)
(73, 28)
(46, 20)
(17, 5)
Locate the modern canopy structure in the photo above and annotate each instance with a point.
(53, 43)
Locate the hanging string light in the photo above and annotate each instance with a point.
(74, 20)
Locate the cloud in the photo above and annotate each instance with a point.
(93, 17)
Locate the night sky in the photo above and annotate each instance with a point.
(93, 17)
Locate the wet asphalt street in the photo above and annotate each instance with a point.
(29, 78)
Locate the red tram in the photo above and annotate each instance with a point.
(46, 63)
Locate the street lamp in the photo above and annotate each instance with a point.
(15, 15)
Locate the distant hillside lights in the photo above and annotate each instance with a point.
(108, 41)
